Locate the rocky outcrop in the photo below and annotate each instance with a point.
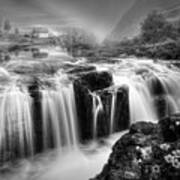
(85, 84)
(37, 115)
(147, 152)
(121, 112)
(99, 83)
(170, 127)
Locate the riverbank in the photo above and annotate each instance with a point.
(148, 151)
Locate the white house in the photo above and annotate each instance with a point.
(40, 32)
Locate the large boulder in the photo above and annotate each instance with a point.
(96, 80)
(83, 86)
(78, 69)
(37, 115)
(146, 153)
(170, 127)
(121, 112)
(161, 106)
(100, 83)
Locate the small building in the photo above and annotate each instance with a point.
(40, 32)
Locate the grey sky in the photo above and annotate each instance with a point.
(98, 16)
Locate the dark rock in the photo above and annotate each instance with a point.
(85, 84)
(144, 128)
(121, 115)
(84, 111)
(99, 83)
(40, 55)
(81, 69)
(96, 80)
(149, 151)
(103, 120)
(171, 128)
(37, 115)
(161, 106)
(121, 111)
(156, 87)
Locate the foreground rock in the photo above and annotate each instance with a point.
(148, 152)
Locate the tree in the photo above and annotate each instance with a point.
(155, 28)
(7, 25)
(77, 40)
(16, 31)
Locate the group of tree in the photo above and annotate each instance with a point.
(158, 38)
(7, 27)
(156, 28)
(78, 41)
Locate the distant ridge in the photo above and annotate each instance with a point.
(129, 24)
(173, 13)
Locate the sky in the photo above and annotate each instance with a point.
(98, 16)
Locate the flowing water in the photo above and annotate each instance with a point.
(113, 106)
(69, 159)
(16, 122)
(59, 112)
(97, 107)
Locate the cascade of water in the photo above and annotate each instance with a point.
(141, 103)
(59, 117)
(140, 98)
(16, 128)
(113, 107)
(97, 107)
(171, 86)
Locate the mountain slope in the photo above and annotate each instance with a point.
(129, 24)
(173, 14)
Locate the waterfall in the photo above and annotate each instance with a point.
(113, 107)
(59, 117)
(97, 108)
(16, 128)
(59, 126)
(140, 98)
(17, 123)
(141, 103)
(171, 88)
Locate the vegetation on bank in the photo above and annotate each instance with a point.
(147, 152)
(158, 38)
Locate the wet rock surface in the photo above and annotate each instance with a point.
(37, 115)
(96, 80)
(148, 151)
(99, 83)
(83, 86)
(120, 115)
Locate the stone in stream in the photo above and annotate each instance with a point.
(96, 80)
(171, 128)
(85, 84)
(100, 83)
(148, 151)
(121, 115)
(161, 106)
(80, 69)
(121, 112)
(37, 115)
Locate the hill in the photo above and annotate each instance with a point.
(129, 24)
